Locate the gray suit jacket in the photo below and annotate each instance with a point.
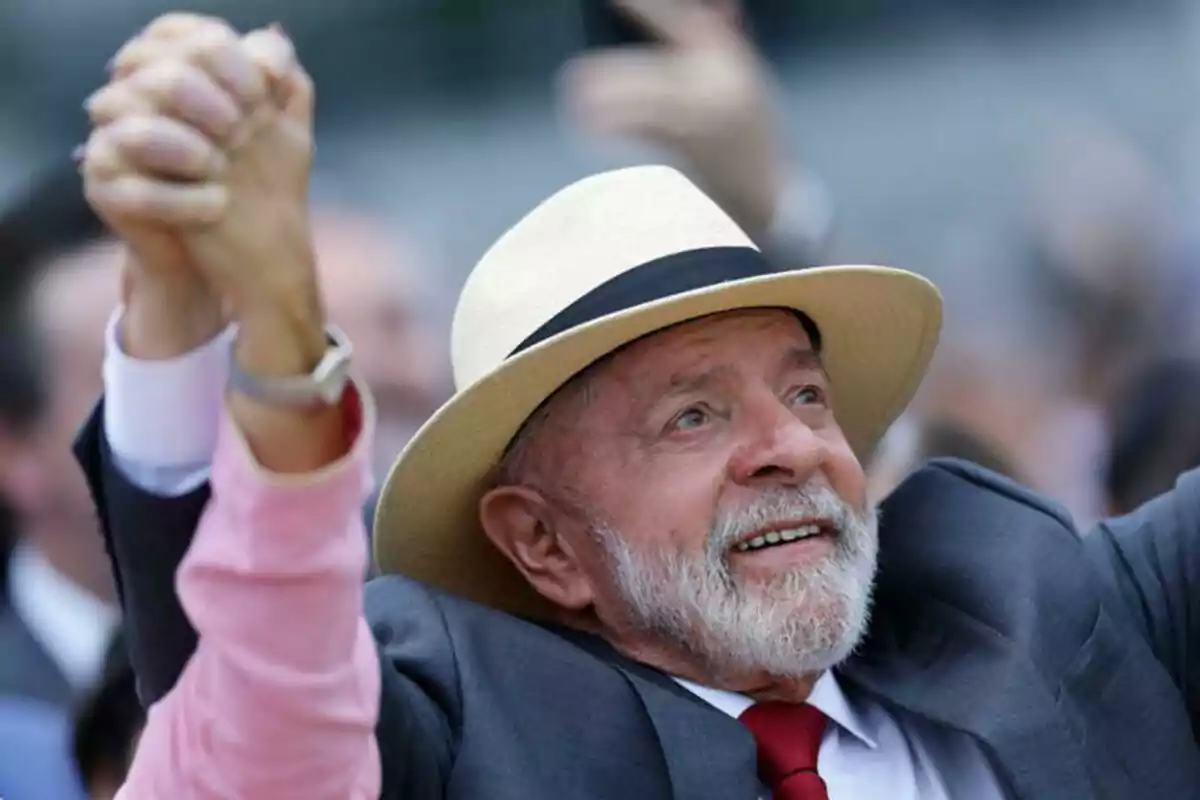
(1075, 662)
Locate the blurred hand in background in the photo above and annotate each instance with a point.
(701, 92)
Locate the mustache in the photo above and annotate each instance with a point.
(813, 502)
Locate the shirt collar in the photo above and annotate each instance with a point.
(830, 699)
(827, 697)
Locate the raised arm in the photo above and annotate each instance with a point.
(281, 696)
(1150, 560)
(202, 151)
(147, 449)
(704, 98)
(146, 452)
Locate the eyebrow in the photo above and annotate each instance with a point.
(804, 358)
(687, 383)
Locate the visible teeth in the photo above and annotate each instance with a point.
(778, 537)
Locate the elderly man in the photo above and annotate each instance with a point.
(633, 555)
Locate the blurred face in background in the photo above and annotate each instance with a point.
(1102, 223)
(371, 293)
(72, 303)
(378, 298)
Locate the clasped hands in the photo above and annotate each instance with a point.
(199, 161)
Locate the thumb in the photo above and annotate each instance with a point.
(299, 96)
(273, 52)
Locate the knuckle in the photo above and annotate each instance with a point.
(214, 38)
(153, 79)
(177, 83)
(177, 23)
(94, 193)
(167, 24)
(304, 82)
(208, 48)
(174, 76)
(127, 53)
(138, 133)
(97, 148)
(100, 104)
(106, 197)
(216, 26)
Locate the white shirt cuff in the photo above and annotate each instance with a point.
(164, 414)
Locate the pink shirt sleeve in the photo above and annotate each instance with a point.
(281, 697)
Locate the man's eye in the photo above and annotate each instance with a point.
(690, 419)
(808, 395)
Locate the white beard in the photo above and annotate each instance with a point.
(800, 623)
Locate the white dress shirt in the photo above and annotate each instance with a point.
(868, 753)
(161, 417)
(161, 420)
(72, 625)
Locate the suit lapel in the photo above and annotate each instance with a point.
(949, 668)
(707, 753)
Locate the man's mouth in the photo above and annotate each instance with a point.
(783, 534)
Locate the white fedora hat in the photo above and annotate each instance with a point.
(604, 262)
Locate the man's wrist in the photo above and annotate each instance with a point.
(282, 337)
(167, 317)
(286, 340)
(748, 189)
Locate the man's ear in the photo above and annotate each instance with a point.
(529, 532)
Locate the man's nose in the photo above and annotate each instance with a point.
(777, 447)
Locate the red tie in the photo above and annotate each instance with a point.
(788, 737)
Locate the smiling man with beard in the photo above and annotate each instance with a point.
(796, 623)
(633, 555)
(780, 583)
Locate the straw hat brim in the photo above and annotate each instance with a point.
(879, 327)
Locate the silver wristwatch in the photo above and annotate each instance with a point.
(323, 386)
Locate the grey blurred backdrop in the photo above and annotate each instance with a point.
(924, 116)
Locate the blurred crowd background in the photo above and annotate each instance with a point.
(1039, 159)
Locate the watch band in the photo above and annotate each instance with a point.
(323, 386)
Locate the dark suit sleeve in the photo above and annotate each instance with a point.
(420, 712)
(1151, 561)
(146, 537)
